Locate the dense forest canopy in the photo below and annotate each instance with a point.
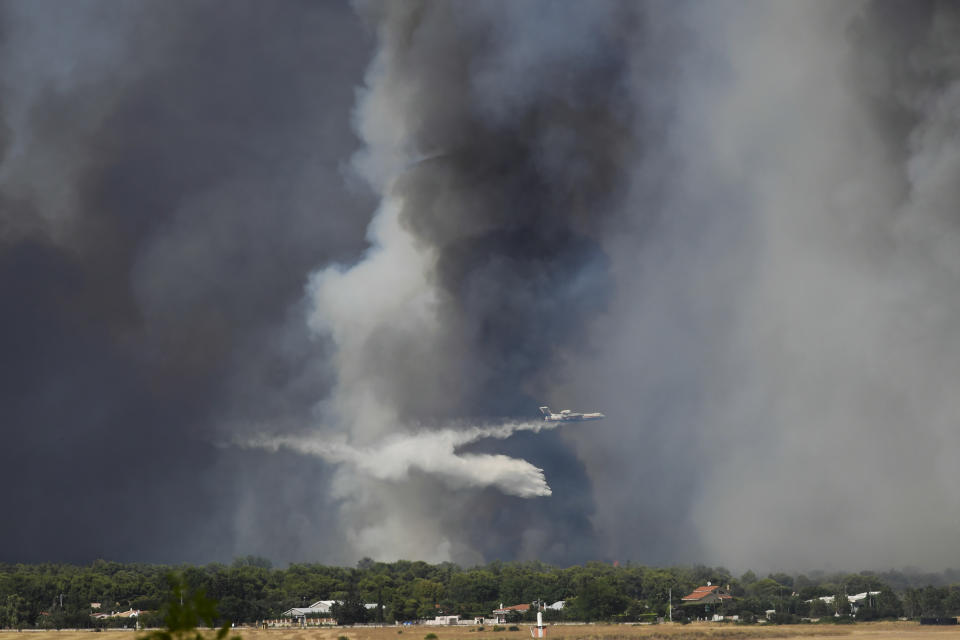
(250, 589)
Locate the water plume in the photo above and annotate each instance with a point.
(434, 452)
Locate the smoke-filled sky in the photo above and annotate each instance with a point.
(291, 279)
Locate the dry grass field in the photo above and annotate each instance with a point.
(879, 630)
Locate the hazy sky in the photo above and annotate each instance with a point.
(291, 279)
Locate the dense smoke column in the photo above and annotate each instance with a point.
(525, 163)
(499, 136)
(169, 177)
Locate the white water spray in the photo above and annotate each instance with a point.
(433, 452)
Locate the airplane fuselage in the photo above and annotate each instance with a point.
(568, 416)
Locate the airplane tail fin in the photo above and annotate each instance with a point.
(545, 411)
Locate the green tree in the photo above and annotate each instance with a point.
(861, 582)
(11, 616)
(933, 601)
(598, 600)
(841, 603)
(350, 610)
(186, 608)
(768, 589)
(820, 609)
(952, 601)
(782, 578)
(252, 561)
(889, 605)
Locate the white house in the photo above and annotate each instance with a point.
(319, 609)
(856, 600)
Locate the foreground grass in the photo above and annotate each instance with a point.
(695, 631)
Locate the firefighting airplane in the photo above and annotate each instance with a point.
(568, 416)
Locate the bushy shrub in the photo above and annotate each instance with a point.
(867, 613)
(430, 636)
(513, 627)
(497, 627)
(784, 618)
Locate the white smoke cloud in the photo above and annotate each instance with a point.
(381, 315)
(376, 312)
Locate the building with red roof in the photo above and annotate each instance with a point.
(512, 611)
(706, 601)
(710, 594)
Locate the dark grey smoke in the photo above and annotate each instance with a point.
(170, 176)
(732, 228)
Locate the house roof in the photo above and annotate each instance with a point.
(852, 598)
(320, 607)
(862, 596)
(702, 592)
(516, 607)
(129, 613)
(307, 611)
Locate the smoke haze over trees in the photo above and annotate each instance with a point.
(292, 279)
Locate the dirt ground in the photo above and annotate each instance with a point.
(878, 630)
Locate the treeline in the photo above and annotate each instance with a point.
(248, 590)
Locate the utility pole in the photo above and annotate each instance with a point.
(670, 603)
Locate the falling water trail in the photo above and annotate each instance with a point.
(433, 452)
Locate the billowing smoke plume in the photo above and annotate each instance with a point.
(495, 135)
(732, 228)
(716, 226)
(789, 336)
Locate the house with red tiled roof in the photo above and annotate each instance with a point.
(706, 601)
(512, 611)
(710, 594)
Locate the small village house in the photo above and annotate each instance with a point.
(504, 614)
(706, 601)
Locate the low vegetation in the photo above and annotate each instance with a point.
(55, 596)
